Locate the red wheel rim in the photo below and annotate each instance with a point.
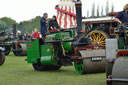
(0, 58)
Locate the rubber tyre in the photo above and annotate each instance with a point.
(2, 58)
(52, 67)
(40, 67)
(109, 83)
(17, 53)
(7, 50)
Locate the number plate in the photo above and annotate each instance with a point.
(96, 59)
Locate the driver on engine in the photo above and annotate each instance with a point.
(122, 16)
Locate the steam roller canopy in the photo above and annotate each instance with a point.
(120, 71)
(20, 49)
(98, 37)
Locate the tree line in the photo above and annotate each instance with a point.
(6, 23)
(100, 10)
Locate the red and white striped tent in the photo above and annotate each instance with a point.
(66, 16)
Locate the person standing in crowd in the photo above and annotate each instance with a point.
(43, 24)
(36, 34)
(53, 24)
(122, 16)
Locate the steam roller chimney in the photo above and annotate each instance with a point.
(14, 30)
(78, 6)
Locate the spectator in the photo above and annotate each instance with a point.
(43, 25)
(36, 34)
(40, 35)
(53, 24)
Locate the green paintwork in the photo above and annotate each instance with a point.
(33, 51)
(47, 53)
(78, 64)
(47, 56)
(67, 46)
(53, 36)
(58, 36)
(121, 43)
(65, 34)
(73, 32)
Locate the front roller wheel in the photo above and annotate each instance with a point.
(19, 49)
(2, 58)
(79, 66)
(40, 67)
(85, 66)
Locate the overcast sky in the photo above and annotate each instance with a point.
(21, 10)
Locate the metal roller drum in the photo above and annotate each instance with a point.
(86, 66)
(21, 49)
(90, 64)
(120, 71)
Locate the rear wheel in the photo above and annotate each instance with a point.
(2, 58)
(17, 49)
(7, 50)
(40, 67)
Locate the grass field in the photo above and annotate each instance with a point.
(16, 71)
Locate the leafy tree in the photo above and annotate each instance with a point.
(93, 10)
(87, 13)
(107, 8)
(21, 27)
(29, 26)
(102, 11)
(98, 14)
(6, 23)
(112, 9)
(3, 25)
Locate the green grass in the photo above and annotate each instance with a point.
(16, 71)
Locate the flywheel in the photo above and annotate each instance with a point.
(98, 37)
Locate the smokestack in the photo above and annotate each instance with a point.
(14, 30)
(78, 6)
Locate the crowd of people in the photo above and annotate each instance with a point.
(45, 26)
